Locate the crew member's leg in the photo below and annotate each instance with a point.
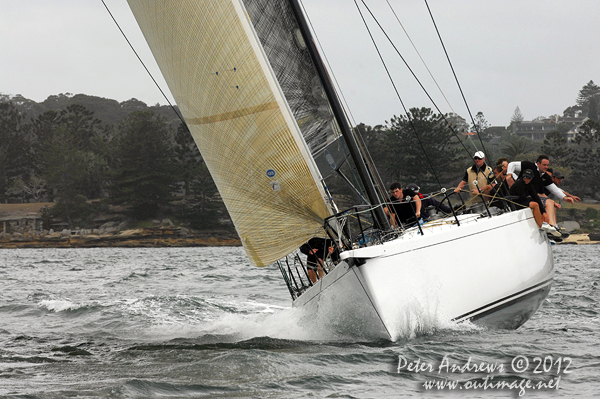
(537, 214)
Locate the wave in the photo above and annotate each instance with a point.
(147, 388)
(236, 321)
(233, 320)
(60, 305)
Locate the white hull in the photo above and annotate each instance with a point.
(493, 271)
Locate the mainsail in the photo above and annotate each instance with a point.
(226, 89)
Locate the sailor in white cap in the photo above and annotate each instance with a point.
(480, 173)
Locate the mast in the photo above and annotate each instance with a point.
(338, 111)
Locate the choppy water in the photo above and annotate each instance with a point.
(201, 322)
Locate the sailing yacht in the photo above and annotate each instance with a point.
(257, 99)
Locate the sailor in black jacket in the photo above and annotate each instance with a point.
(541, 181)
(523, 188)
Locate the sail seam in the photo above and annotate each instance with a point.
(234, 114)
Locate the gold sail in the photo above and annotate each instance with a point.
(220, 78)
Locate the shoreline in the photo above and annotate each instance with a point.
(146, 237)
(161, 237)
(581, 239)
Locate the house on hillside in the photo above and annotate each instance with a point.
(537, 129)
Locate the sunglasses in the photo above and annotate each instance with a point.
(477, 158)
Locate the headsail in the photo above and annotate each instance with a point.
(222, 82)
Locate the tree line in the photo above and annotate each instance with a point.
(72, 158)
(143, 157)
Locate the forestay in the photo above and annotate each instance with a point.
(220, 77)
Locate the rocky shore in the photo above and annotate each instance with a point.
(145, 237)
(582, 239)
(21, 227)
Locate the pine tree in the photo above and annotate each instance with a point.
(585, 159)
(481, 125)
(587, 100)
(63, 168)
(588, 91)
(145, 177)
(405, 160)
(593, 108)
(517, 116)
(188, 158)
(15, 148)
(556, 146)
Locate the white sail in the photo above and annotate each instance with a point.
(221, 80)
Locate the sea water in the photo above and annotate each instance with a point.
(202, 322)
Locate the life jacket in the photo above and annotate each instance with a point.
(481, 177)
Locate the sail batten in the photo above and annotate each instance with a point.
(249, 139)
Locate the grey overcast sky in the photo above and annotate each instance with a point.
(534, 54)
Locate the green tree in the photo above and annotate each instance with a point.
(15, 150)
(419, 145)
(572, 111)
(458, 123)
(556, 146)
(587, 99)
(188, 159)
(585, 161)
(588, 91)
(374, 140)
(202, 210)
(144, 177)
(63, 168)
(517, 146)
(481, 125)
(593, 108)
(83, 141)
(517, 116)
(88, 138)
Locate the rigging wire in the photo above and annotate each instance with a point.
(412, 73)
(410, 120)
(426, 66)
(144, 65)
(455, 77)
(420, 57)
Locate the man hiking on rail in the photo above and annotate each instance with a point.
(541, 181)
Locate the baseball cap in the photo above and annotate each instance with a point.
(528, 173)
(558, 175)
(413, 187)
(479, 154)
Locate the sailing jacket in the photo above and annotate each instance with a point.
(481, 175)
(541, 182)
(526, 193)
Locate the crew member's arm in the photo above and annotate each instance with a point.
(559, 193)
(514, 168)
(575, 198)
(462, 183)
(392, 217)
(460, 186)
(417, 200)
